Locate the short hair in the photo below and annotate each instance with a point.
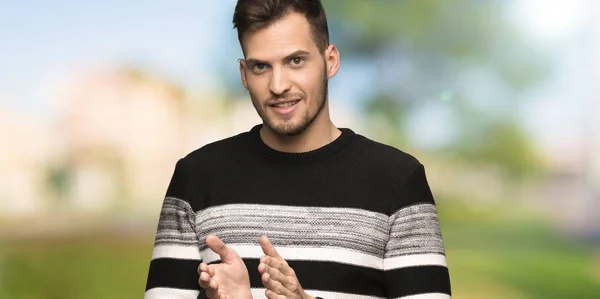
(252, 15)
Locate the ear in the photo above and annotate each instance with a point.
(243, 72)
(332, 59)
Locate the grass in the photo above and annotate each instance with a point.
(91, 267)
(514, 257)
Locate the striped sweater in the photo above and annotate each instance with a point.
(354, 219)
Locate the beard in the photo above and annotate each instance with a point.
(286, 127)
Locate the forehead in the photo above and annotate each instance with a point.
(281, 38)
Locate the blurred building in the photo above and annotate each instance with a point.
(123, 132)
(26, 147)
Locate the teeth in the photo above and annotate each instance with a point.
(288, 104)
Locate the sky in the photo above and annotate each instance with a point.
(191, 40)
(45, 39)
(566, 108)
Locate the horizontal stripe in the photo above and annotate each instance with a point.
(427, 296)
(414, 260)
(290, 211)
(162, 293)
(176, 252)
(415, 230)
(173, 273)
(338, 295)
(329, 276)
(417, 280)
(289, 253)
(176, 224)
(355, 229)
(259, 293)
(321, 279)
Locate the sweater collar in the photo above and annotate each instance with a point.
(303, 157)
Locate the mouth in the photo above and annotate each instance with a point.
(284, 107)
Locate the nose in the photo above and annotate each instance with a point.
(280, 82)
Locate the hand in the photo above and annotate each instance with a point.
(226, 280)
(277, 276)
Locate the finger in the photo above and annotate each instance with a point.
(281, 265)
(274, 274)
(269, 294)
(262, 267)
(204, 280)
(275, 262)
(275, 285)
(215, 244)
(267, 247)
(221, 295)
(202, 268)
(211, 270)
(272, 295)
(213, 285)
(265, 277)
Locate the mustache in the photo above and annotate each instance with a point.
(287, 96)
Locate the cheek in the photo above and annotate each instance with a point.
(311, 85)
(257, 87)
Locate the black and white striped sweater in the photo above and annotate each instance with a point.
(354, 219)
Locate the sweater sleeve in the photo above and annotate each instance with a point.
(414, 261)
(176, 256)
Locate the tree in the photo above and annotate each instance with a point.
(463, 54)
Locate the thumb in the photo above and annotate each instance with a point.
(215, 244)
(267, 247)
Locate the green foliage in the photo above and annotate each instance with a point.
(468, 49)
(58, 180)
(507, 144)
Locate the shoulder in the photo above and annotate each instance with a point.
(390, 173)
(384, 157)
(201, 164)
(196, 173)
(214, 152)
(401, 170)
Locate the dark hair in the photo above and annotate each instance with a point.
(252, 15)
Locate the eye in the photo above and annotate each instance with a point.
(297, 61)
(259, 67)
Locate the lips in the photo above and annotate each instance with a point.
(284, 107)
(285, 104)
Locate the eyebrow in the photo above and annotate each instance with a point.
(252, 61)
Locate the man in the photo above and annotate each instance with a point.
(296, 207)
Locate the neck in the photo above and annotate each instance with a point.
(321, 132)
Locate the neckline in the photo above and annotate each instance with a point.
(301, 157)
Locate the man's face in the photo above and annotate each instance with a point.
(285, 74)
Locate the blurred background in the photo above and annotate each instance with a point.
(499, 99)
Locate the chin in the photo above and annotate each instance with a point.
(287, 129)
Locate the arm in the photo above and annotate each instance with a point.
(175, 258)
(414, 261)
